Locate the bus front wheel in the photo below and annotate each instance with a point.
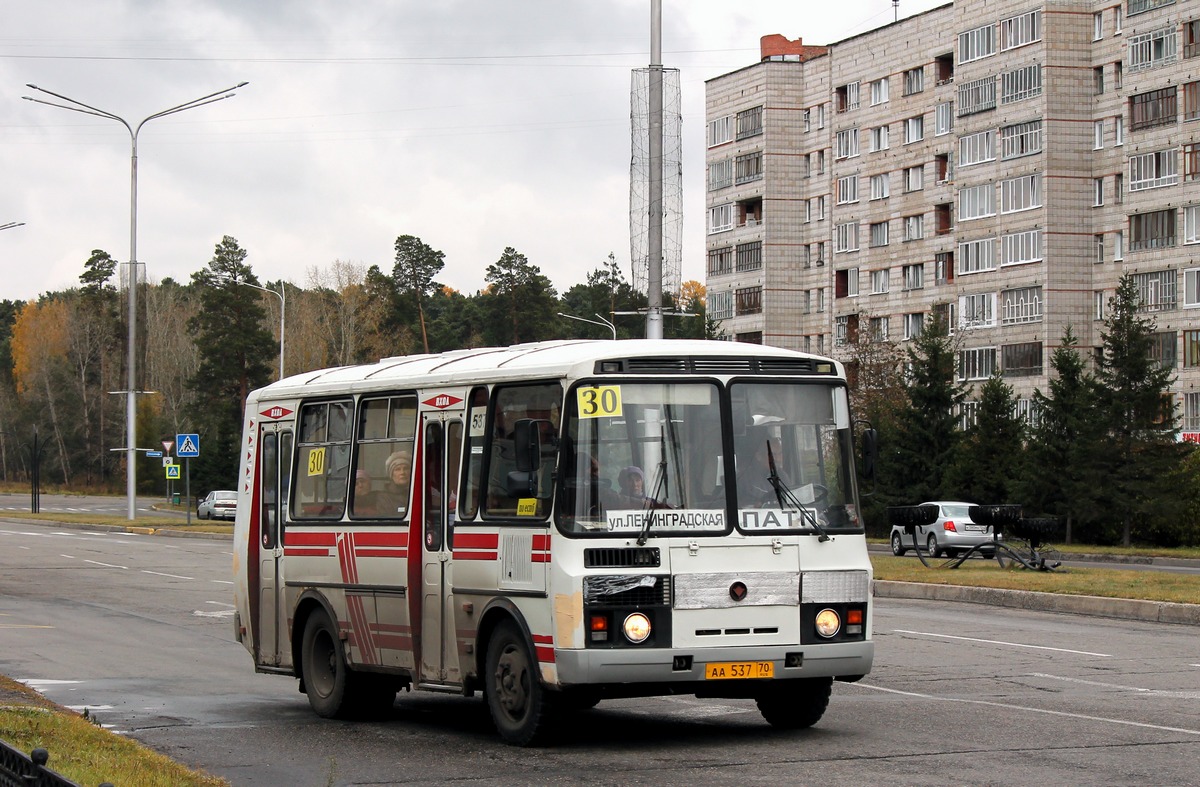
(796, 704)
(521, 707)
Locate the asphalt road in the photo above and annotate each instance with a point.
(138, 629)
(16, 504)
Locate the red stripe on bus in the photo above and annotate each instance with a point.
(393, 642)
(477, 540)
(398, 538)
(309, 539)
(288, 552)
(545, 654)
(540, 557)
(541, 542)
(474, 555)
(543, 639)
(396, 552)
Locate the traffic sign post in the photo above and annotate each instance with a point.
(186, 447)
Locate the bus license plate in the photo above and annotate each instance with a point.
(738, 670)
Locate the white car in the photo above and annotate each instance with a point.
(218, 505)
(951, 534)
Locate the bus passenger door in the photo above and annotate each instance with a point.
(275, 458)
(442, 450)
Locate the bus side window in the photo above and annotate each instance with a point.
(541, 403)
(473, 466)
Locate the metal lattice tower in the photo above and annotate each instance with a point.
(672, 181)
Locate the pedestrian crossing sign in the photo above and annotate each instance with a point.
(187, 445)
(172, 472)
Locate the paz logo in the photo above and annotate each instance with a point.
(442, 401)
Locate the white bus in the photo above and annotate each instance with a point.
(556, 524)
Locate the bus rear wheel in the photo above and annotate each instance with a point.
(521, 707)
(334, 691)
(796, 704)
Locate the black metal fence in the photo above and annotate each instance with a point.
(17, 770)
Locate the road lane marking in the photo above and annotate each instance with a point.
(6, 626)
(161, 574)
(1047, 711)
(1000, 642)
(69, 557)
(1183, 695)
(222, 581)
(220, 613)
(218, 603)
(106, 565)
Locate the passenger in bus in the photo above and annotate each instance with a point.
(633, 485)
(366, 502)
(393, 499)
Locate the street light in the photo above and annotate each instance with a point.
(281, 294)
(603, 322)
(131, 391)
(12, 224)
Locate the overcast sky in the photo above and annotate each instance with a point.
(472, 124)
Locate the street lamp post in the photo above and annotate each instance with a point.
(131, 392)
(12, 224)
(281, 294)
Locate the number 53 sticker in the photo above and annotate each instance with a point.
(601, 401)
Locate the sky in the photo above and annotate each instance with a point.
(474, 125)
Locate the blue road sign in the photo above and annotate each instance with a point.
(187, 445)
(154, 453)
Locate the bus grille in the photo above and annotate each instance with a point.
(622, 557)
(627, 591)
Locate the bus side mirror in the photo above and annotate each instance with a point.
(527, 444)
(870, 450)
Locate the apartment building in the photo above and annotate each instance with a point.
(999, 163)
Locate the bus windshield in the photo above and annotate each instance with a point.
(793, 449)
(642, 456)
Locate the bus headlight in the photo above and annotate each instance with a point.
(828, 623)
(636, 628)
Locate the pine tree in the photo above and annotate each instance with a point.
(992, 451)
(416, 265)
(1137, 413)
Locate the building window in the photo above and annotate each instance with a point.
(914, 129)
(1020, 84)
(976, 202)
(1191, 288)
(1098, 246)
(879, 186)
(1097, 25)
(719, 305)
(1163, 348)
(1021, 305)
(914, 324)
(879, 138)
(1153, 49)
(720, 261)
(1191, 411)
(846, 97)
(749, 256)
(720, 218)
(846, 144)
(1098, 135)
(1119, 131)
(720, 131)
(977, 311)
(943, 118)
(878, 326)
(943, 267)
(879, 92)
(977, 43)
(914, 276)
(1098, 80)
(1021, 360)
(1118, 188)
(1097, 192)
(1153, 108)
(847, 190)
(748, 300)
(750, 122)
(1023, 193)
(879, 234)
(977, 148)
(879, 282)
(914, 80)
(1138, 6)
(914, 179)
(749, 337)
(1191, 38)
(845, 283)
(1191, 224)
(1153, 170)
(977, 255)
(1118, 245)
(1022, 139)
(1191, 101)
(748, 167)
(1156, 290)
(977, 96)
(977, 364)
(1020, 30)
(1191, 348)
(845, 237)
(1153, 230)
(1020, 247)
(720, 174)
(914, 227)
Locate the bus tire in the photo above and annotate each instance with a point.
(795, 704)
(520, 706)
(326, 676)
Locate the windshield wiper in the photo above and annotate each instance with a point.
(783, 494)
(660, 485)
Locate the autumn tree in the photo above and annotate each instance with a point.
(236, 354)
(41, 370)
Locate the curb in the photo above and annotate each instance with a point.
(1096, 606)
(131, 529)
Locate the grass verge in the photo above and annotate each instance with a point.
(152, 522)
(1106, 582)
(82, 751)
